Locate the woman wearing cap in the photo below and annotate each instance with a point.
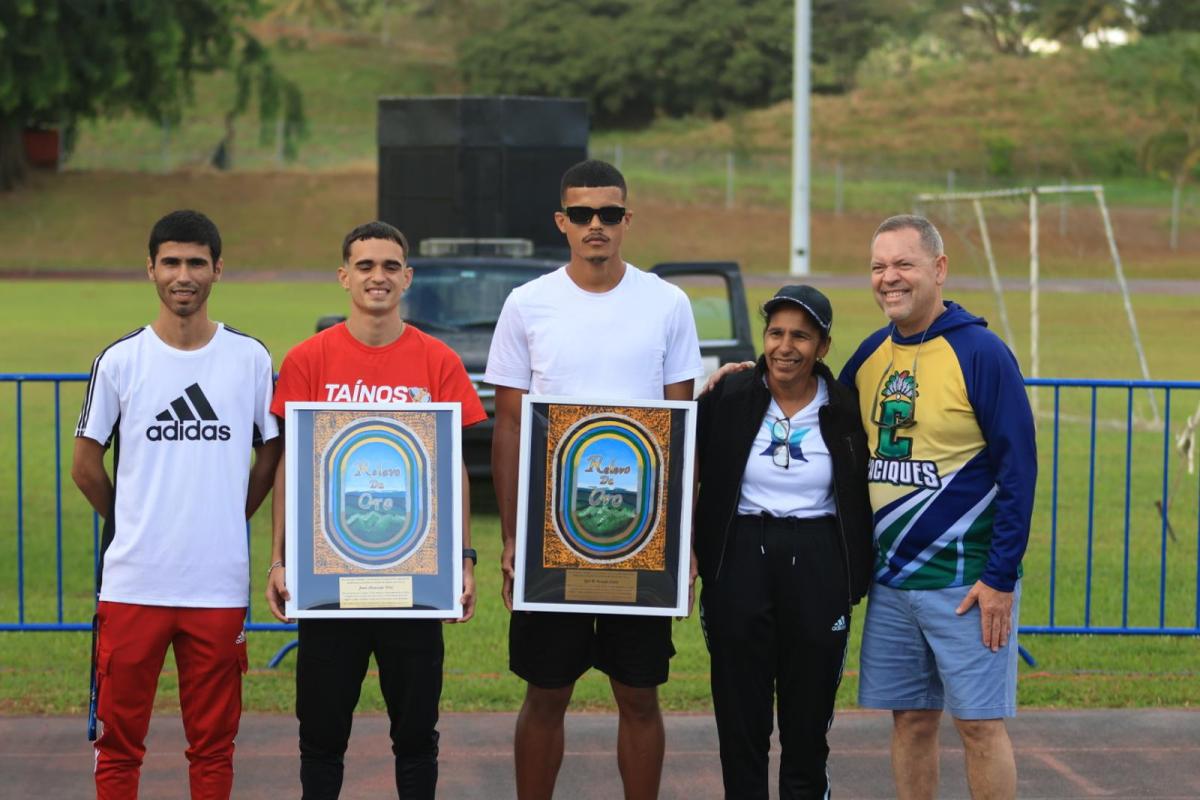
(784, 547)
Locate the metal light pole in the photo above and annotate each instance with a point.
(798, 262)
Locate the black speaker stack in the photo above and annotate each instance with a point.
(477, 167)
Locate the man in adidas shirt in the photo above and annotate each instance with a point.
(372, 354)
(182, 402)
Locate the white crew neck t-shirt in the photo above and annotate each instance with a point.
(805, 487)
(182, 423)
(555, 338)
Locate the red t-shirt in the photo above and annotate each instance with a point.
(333, 366)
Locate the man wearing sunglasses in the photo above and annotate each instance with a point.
(952, 490)
(595, 328)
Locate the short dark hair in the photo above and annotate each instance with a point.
(931, 240)
(187, 226)
(591, 173)
(374, 230)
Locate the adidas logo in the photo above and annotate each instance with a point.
(241, 638)
(187, 423)
(840, 625)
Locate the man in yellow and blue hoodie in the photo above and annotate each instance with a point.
(952, 473)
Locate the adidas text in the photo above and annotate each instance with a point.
(190, 432)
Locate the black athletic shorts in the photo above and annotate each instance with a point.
(552, 650)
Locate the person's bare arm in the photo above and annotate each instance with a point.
(262, 473)
(679, 391)
(726, 369)
(506, 449)
(277, 592)
(468, 576)
(87, 470)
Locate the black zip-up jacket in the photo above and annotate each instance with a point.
(729, 418)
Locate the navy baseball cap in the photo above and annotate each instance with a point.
(811, 300)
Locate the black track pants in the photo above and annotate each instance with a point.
(330, 668)
(777, 620)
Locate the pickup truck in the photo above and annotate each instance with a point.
(465, 320)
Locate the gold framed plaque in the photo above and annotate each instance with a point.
(604, 506)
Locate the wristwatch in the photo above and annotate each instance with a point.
(471, 554)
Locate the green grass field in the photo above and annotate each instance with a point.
(287, 221)
(1045, 117)
(1049, 115)
(60, 325)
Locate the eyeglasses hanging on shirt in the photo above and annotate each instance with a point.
(785, 443)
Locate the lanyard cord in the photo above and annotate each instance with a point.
(891, 363)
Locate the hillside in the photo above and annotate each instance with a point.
(1051, 116)
(994, 122)
(1045, 116)
(341, 75)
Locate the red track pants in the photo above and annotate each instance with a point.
(210, 655)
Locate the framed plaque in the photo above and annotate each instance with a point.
(374, 509)
(604, 506)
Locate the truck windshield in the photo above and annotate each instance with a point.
(451, 297)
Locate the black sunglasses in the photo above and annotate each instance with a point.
(582, 215)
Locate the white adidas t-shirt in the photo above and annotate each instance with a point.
(554, 338)
(805, 487)
(184, 423)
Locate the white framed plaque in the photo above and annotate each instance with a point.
(373, 509)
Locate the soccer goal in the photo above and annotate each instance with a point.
(948, 208)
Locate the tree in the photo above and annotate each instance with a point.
(844, 31)
(63, 61)
(633, 59)
(1069, 21)
(710, 57)
(1010, 27)
(1163, 74)
(1166, 16)
(539, 50)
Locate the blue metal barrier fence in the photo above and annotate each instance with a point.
(1177, 586)
(1093, 445)
(20, 412)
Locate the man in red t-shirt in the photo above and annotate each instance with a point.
(373, 354)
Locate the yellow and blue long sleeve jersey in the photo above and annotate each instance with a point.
(953, 461)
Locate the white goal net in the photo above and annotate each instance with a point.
(1001, 231)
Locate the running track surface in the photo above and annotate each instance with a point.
(1060, 754)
